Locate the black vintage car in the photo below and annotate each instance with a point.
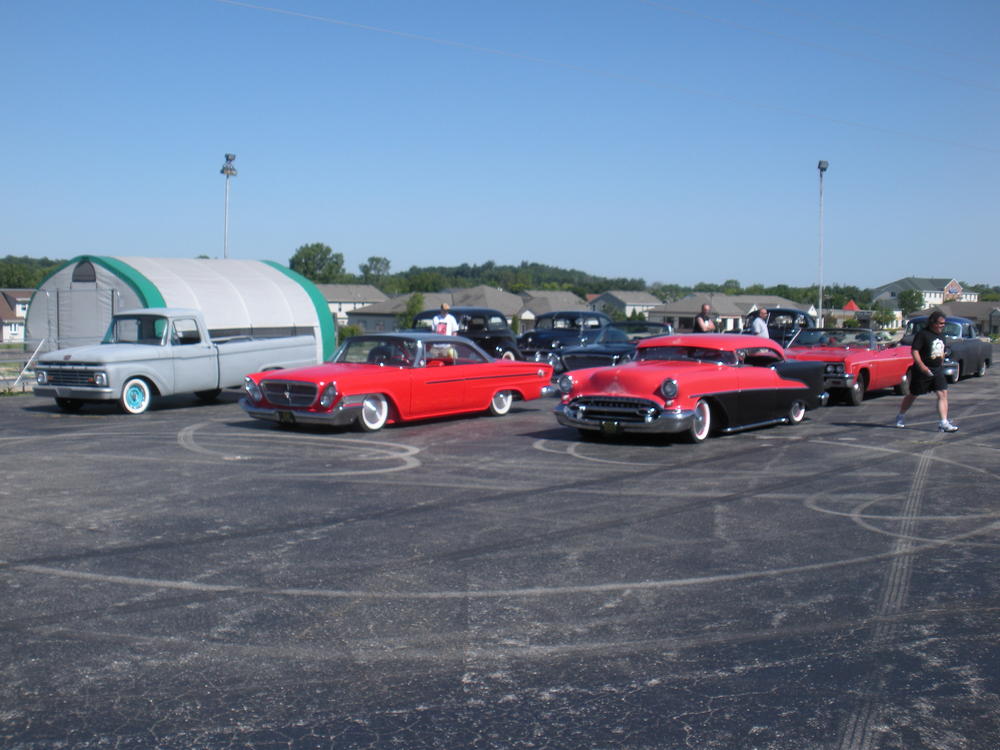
(487, 327)
(967, 353)
(609, 346)
(782, 323)
(555, 330)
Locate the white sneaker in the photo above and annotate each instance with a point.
(947, 426)
(900, 422)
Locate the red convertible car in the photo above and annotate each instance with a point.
(385, 378)
(693, 384)
(856, 361)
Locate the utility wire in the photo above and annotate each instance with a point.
(873, 33)
(608, 75)
(821, 47)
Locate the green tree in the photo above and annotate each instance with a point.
(883, 317)
(414, 305)
(909, 301)
(349, 330)
(24, 272)
(318, 263)
(374, 270)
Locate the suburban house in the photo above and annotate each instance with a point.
(986, 315)
(730, 309)
(536, 302)
(934, 291)
(624, 303)
(344, 298)
(384, 316)
(13, 311)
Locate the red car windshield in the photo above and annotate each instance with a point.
(685, 354)
(841, 338)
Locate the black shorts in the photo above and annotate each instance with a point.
(921, 382)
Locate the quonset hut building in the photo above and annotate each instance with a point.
(74, 304)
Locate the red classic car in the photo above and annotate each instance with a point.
(694, 384)
(856, 361)
(385, 378)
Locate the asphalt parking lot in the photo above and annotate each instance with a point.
(191, 578)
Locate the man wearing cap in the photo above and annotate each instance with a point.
(444, 322)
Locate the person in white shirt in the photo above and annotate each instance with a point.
(444, 322)
(759, 325)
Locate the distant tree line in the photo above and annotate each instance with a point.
(22, 272)
(320, 264)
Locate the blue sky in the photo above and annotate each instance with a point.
(671, 141)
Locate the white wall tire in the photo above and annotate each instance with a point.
(508, 355)
(856, 393)
(501, 402)
(374, 413)
(701, 425)
(796, 412)
(136, 396)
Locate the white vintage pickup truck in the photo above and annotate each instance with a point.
(162, 351)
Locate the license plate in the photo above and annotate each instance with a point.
(286, 417)
(610, 428)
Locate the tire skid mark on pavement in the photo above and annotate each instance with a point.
(585, 589)
(377, 450)
(862, 730)
(593, 588)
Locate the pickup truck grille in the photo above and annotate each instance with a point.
(601, 408)
(73, 375)
(289, 393)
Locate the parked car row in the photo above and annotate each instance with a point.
(690, 384)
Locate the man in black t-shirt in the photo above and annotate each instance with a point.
(927, 371)
(703, 322)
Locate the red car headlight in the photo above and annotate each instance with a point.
(668, 388)
(328, 396)
(252, 389)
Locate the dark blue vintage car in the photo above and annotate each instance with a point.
(608, 346)
(967, 352)
(555, 330)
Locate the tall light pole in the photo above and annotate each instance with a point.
(229, 171)
(823, 165)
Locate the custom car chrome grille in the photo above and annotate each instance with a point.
(601, 408)
(62, 374)
(289, 393)
(580, 361)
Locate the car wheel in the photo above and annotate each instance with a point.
(954, 378)
(508, 355)
(69, 404)
(208, 396)
(796, 413)
(136, 396)
(701, 426)
(856, 393)
(501, 402)
(903, 389)
(374, 412)
(982, 369)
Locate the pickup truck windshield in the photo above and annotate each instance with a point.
(136, 329)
